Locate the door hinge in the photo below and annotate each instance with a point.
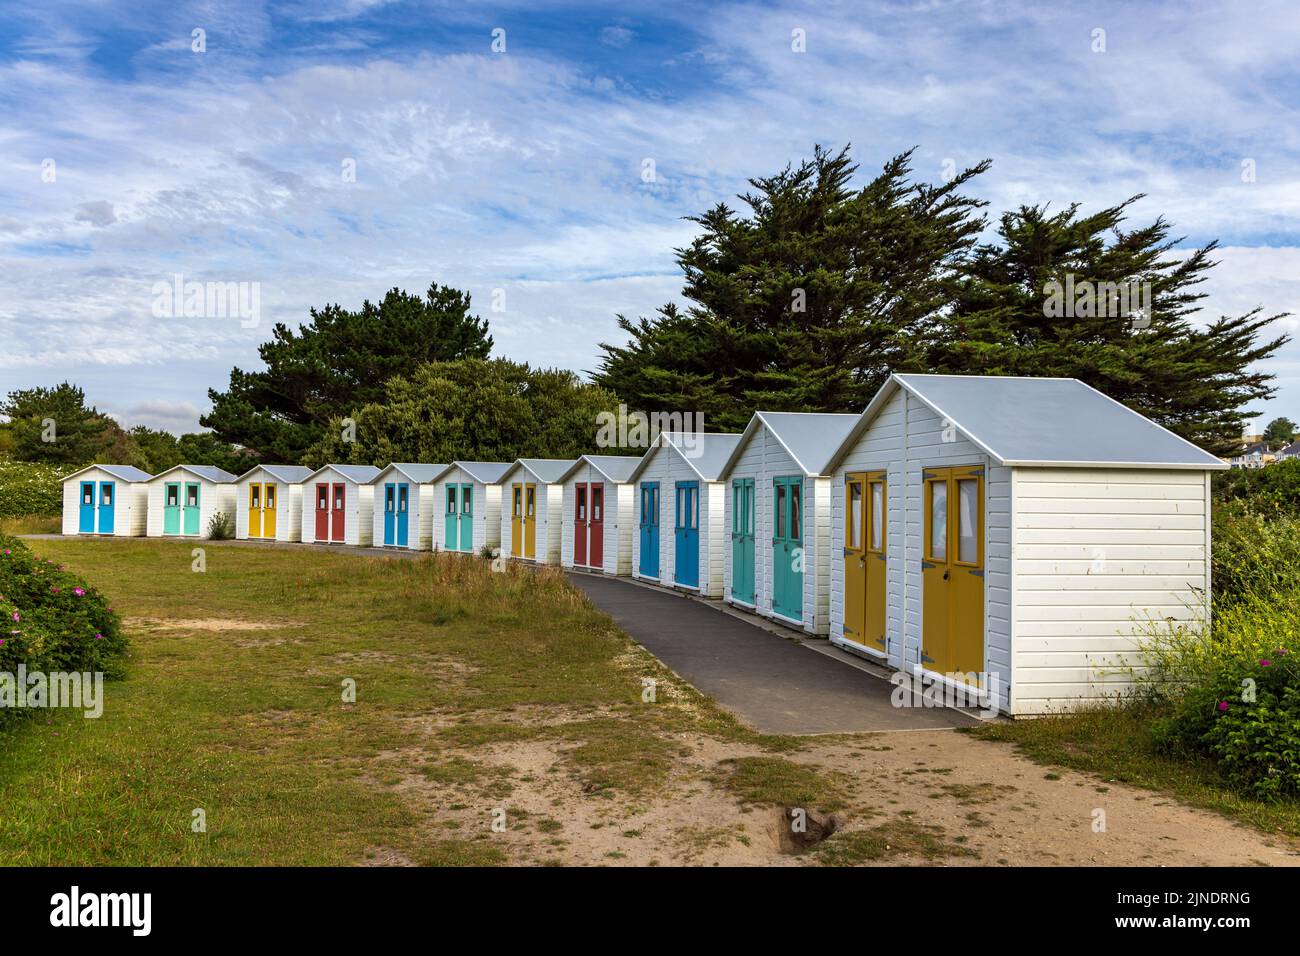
(977, 573)
(926, 658)
(926, 565)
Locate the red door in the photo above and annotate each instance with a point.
(322, 512)
(596, 550)
(580, 524)
(338, 533)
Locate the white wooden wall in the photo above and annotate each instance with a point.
(419, 513)
(288, 507)
(1096, 552)
(619, 521)
(668, 467)
(358, 510)
(213, 497)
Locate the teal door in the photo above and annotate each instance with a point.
(742, 540)
(191, 507)
(172, 508)
(390, 513)
(649, 564)
(787, 547)
(686, 532)
(86, 520)
(403, 514)
(451, 520)
(107, 493)
(467, 518)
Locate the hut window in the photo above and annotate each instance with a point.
(939, 520)
(106, 495)
(191, 496)
(968, 521)
(855, 516)
(597, 494)
(877, 514)
(466, 499)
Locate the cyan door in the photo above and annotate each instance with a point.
(390, 513)
(172, 508)
(467, 518)
(686, 563)
(650, 529)
(403, 513)
(107, 496)
(451, 520)
(742, 540)
(787, 547)
(86, 519)
(191, 507)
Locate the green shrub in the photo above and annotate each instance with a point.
(221, 527)
(52, 620)
(29, 488)
(1234, 696)
(1270, 491)
(1254, 555)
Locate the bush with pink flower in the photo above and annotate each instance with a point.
(53, 620)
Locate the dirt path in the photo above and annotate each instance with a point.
(919, 797)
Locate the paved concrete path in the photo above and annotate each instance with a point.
(779, 685)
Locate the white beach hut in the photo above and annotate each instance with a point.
(532, 508)
(467, 506)
(598, 514)
(184, 499)
(1014, 535)
(404, 506)
(678, 491)
(268, 503)
(338, 505)
(107, 500)
(777, 546)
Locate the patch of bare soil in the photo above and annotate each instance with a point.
(925, 798)
(207, 624)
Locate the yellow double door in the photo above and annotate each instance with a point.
(952, 571)
(261, 510)
(952, 568)
(523, 520)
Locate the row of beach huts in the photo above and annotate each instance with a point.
(1015, 534)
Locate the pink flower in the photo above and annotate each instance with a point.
(99, 637)
(54, 590)
(16, 616)
(1265, 663)
(79, 592)
(1223, 706)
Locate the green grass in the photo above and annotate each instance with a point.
(31, 524)
(781, 782)
(250, 725)
(894, 838)
(1116, 745)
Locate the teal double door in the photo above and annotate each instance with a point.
(458, 523)
(742, 540)
(787, 547)
(106, 492)
(181, 507)
(397, 514)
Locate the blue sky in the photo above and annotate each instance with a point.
(521, 171)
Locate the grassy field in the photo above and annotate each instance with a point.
(234, 706)
(31, 524)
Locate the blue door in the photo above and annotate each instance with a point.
(107, 495)
(403, 513)
(390, 513)
(686, 566)
(87, 517)
(650, 529)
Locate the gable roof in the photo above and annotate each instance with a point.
(810, 438)
(420, 474)
(1041, 422)
(546, 470)
(206, 472)
(615, 468)
(704, 452)
(358, 474)
(289, 474)
(120, 472)
(488, 472)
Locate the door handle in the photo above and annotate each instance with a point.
(946, 573)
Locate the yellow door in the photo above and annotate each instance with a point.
(855, 558)
(254, 511)
(953, 571)
(516, 520)
(530, 521)
(268, 511)
(876, 537)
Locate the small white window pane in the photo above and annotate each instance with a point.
(853, 531)
(877, 514)
(939, 520)
(968, 520)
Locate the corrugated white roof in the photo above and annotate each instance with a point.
(488, 472)
(289, 474)
(359, 474)
(1042, 422)
(419, 473)
(207, 472)
(120, 472)
(546, 470)
(705, 452)
(810, 438)
(616, 468)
